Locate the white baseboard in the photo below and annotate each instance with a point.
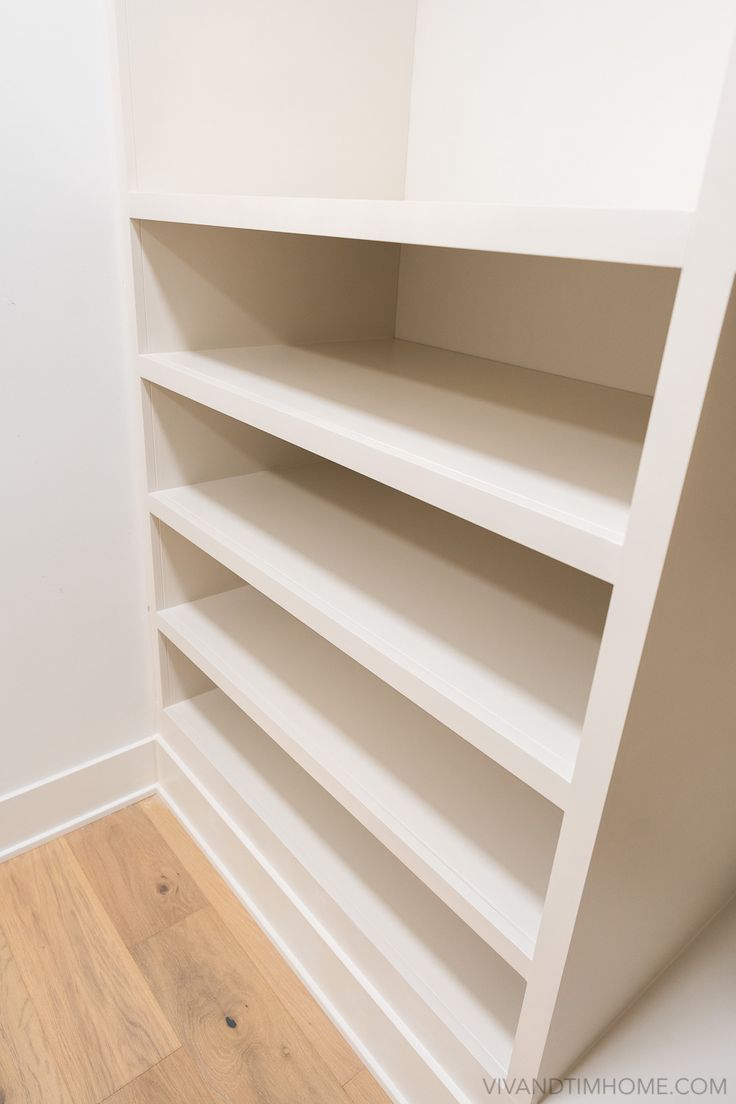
(64, 801)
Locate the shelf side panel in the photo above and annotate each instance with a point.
(656, 736)
(665, 859)
(192, 443)
(208, 287)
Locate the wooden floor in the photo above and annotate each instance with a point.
(130, 973)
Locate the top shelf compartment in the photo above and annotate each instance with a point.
(464, 125)
(641, 237)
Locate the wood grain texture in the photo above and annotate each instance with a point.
(364, 1089)
(28, 1071)
(103, 1026)
(314, 1023)
(241, 1038)
(176, 1080)
(78, 1025)
(136, 875)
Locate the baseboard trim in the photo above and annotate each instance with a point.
(55, 805)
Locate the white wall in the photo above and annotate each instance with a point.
(74, 672)
(681, 1029)
(566, 102)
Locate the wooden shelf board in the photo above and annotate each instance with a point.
(482, 840)
(494, 640)
(473, 991)
(547, 461)
(599, 234)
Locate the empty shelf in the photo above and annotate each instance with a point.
(587, 233)
(473, 991)
(483, 841)
(496, 641)
(546, 461)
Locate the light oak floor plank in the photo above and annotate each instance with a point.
(78, 1025)
(103, 1026)
(319, 1029)
(28, 1071)
(134, 872)
(245, 1044)
(364, 1089)
(175, 1080)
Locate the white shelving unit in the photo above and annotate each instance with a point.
(482, 635)
(442, 500)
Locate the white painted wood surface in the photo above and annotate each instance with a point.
(271, 99)
(570, 103)
(602, 323)
(516, 652)
(205, 286)
(492, 101)
(546, 461)
(640, 603)
(625, 236)
(494, 641)
(483, 842)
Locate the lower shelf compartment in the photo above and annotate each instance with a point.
(496, 641)
(395, 1056)
(413, 951)
(481, 839)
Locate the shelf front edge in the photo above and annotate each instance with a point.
(596, 234)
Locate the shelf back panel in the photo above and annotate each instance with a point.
(271, 99)
(569, 104)
(589, 320)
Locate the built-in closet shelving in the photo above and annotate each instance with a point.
(491, 641)
(436, 455)
(547, 461)
(449, 812)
